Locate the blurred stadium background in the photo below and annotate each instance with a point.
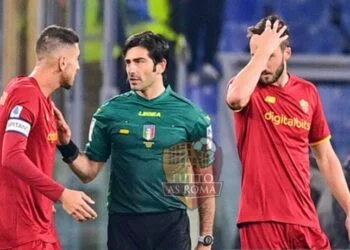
(320, 33)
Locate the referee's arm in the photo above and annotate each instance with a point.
(205, 199)
(85, 168)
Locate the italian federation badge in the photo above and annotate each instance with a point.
(149, 131)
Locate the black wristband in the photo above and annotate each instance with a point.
(69, 152)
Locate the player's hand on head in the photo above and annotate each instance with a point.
(272, 37)
(64, 132)
(76, 204)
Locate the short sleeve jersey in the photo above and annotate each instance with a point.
(137, 132)
(273, 135)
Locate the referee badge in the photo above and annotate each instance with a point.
(149, 131)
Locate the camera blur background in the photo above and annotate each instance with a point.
(208, 46)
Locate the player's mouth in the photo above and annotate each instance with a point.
(134, 79)
(265, 73)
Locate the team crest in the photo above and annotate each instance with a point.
(304, 105)
(149, 131)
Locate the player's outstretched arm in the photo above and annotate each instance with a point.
(16, 160)
(332, 171)
(86, 169)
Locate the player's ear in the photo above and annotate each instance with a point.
(62, 63)
(160, 67)
(287, 53)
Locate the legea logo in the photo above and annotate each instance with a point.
(294, 122)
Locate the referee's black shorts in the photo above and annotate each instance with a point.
(149, 231)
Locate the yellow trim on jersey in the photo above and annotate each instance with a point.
(321, 141)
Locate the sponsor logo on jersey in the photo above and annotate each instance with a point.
(270, 99)
(149, 114)
(52, 137)
(304, 105)
(16, 111)
(149, 132)
(19, 126)
(295, 122)
(3, 98)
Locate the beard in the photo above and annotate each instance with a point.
(275, 76)
(66, 85)
(66, 82)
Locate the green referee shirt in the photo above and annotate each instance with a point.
(136, 132)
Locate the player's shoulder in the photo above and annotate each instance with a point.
(23, 85)
(113, 103)
(190, 109)
(305, 84)
(184, 103)
(121, 98)
(23, 89)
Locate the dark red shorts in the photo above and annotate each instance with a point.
(39, 245)
(274, 235)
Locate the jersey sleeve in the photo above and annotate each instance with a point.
(23, 104)
(319, 131)
(22, 112)
(98, 147)
(201, 137)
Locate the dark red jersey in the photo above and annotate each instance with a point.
(28, 138)
(273, 133)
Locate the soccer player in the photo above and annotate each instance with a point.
(28, 139)
(277, 117)
(137, 129)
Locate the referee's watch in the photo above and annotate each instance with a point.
(206, 240)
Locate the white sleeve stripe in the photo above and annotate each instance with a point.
(20, 119)
(19, 126)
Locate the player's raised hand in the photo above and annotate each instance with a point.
(272, 37)
(64, 132)
(76, 204)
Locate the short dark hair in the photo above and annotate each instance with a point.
(54, 36)
(259, 28)
(157, 45)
